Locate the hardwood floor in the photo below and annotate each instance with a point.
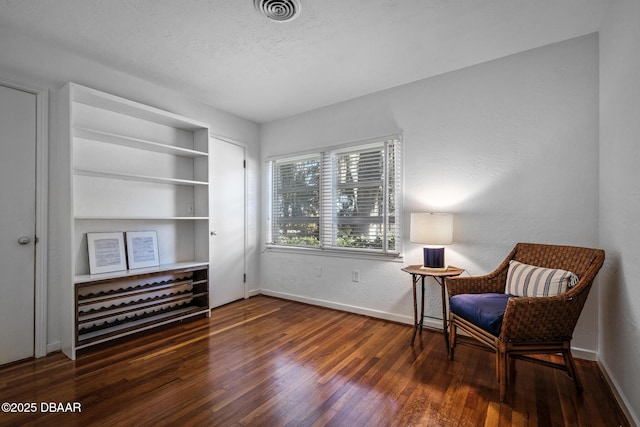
(270, 362)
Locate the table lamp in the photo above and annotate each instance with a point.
(432, 230)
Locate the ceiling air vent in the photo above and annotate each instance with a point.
(278, 10)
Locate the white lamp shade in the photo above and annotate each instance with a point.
(431, 228)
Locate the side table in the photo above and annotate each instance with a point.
(418, 273)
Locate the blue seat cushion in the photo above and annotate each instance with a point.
(483, 310)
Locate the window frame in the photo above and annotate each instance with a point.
(390, 221)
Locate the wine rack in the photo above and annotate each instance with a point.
(115, 307)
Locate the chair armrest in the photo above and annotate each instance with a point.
(537, 319)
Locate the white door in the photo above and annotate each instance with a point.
(228, 223)
(17, 223)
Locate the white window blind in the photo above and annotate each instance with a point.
(296, 201)
(343, 198)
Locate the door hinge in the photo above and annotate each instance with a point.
(244, 278)
(244, 164)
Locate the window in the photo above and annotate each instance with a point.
(342, 198)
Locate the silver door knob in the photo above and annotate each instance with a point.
(214, 233)
(24, 240)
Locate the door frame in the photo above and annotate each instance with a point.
(243, 145)
(41, 201)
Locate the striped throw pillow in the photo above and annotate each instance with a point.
(525, 280)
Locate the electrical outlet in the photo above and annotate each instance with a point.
(355, 276)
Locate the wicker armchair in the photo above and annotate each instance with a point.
(530, 325)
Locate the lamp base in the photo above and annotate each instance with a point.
(433, 258)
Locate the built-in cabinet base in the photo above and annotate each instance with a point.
(113, 307)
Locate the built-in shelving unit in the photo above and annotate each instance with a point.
(130, 167)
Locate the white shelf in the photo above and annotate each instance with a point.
(87, 278)
(112, 138)
(92, 97)
(134, 177)
(141, 218)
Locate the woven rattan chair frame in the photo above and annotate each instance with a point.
(531, 325)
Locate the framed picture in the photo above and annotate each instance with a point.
(142, 249)
(106, 252)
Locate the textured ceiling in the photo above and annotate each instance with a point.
(224, 53)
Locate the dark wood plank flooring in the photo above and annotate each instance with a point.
(270, 362)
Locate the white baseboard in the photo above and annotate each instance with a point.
(581, 353)
(633, 419)
(253, 293)
(52, 347)
(344, 307)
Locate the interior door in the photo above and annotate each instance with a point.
(228, 223)
(17, 223)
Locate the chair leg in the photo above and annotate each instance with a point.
(452, 338)
(504, 362)
(571, 369)
(511, 370)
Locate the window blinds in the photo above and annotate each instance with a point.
(296, 201)
(344, 198)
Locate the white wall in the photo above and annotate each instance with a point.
(509, 146)
(619, 332)
(28, 61)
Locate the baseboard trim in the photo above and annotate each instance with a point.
(428, 322)
(253, 293)
(343, 307)
(52, 347)
(581, 353)
(633, 419)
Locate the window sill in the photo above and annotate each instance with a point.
(341, 253)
